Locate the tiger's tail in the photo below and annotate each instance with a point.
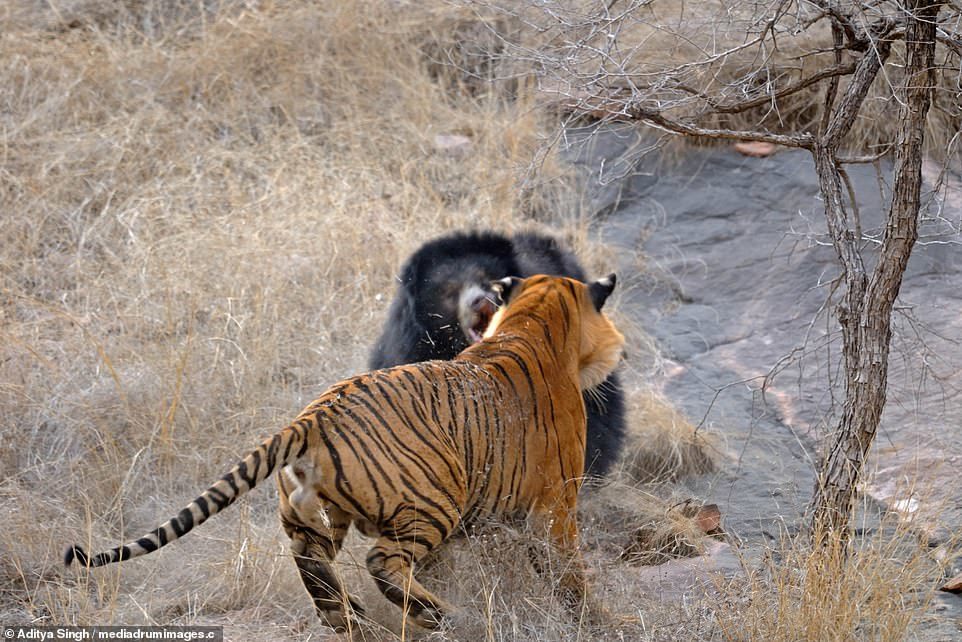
(276, 452)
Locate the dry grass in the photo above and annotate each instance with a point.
(206, 210)
(205, 205)
(875, 587)
(664, 445)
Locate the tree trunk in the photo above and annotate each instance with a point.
(866, 311)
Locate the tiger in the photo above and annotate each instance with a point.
(410, 454)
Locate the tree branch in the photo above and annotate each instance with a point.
(854, 36)
(832, 90)
(660, 121)
(848, 107)
(953, 43)
(853, 160)
(734, 108)
(901, 230)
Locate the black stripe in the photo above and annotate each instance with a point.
(410, 374)
(549, 397)
(183, 522)
(412, 525)
(404, 478)
(202, 505)
(147, 544)
(406, 450)
(220, 500)
(303, 436)
(487, 440)
(287, 449)
(283, 481)
(249, 477)
(229, 478)
(366, 438)
(501, 470)
(431, 444)
(565, 319)
(272, 452)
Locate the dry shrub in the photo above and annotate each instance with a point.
(876, 586)
(496, 605)
(663, 445)
(679, 532)
(640, 525)
(601, 61)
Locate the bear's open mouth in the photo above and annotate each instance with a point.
(482, 317)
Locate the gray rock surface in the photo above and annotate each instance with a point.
(740, 269)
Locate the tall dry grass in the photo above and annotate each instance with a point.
(203, 207)
(877, 586)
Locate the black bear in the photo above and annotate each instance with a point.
(445, 301)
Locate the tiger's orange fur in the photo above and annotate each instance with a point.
(411, 453)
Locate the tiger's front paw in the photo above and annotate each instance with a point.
(432, 617)
(343, 618)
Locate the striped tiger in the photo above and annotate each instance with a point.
(411, 453)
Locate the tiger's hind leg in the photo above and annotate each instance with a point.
(313, 554)
(391, 563)
(316, 539)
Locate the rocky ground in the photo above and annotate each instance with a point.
(741, 268)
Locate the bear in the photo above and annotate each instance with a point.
(445, 300)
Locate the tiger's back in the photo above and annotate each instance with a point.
(462, 439)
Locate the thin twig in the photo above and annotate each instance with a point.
(734, 108)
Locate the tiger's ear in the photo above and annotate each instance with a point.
(504, 287)
(600, 289)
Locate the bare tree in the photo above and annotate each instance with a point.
(866, 312)
(799, 73)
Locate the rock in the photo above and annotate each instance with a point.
(756, 150)
(954, 585)
(708, 519)
(679, 579)
(737, 260)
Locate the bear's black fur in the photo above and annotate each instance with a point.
(444, 300)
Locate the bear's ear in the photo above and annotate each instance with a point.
(600, 289)
(504, 287)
